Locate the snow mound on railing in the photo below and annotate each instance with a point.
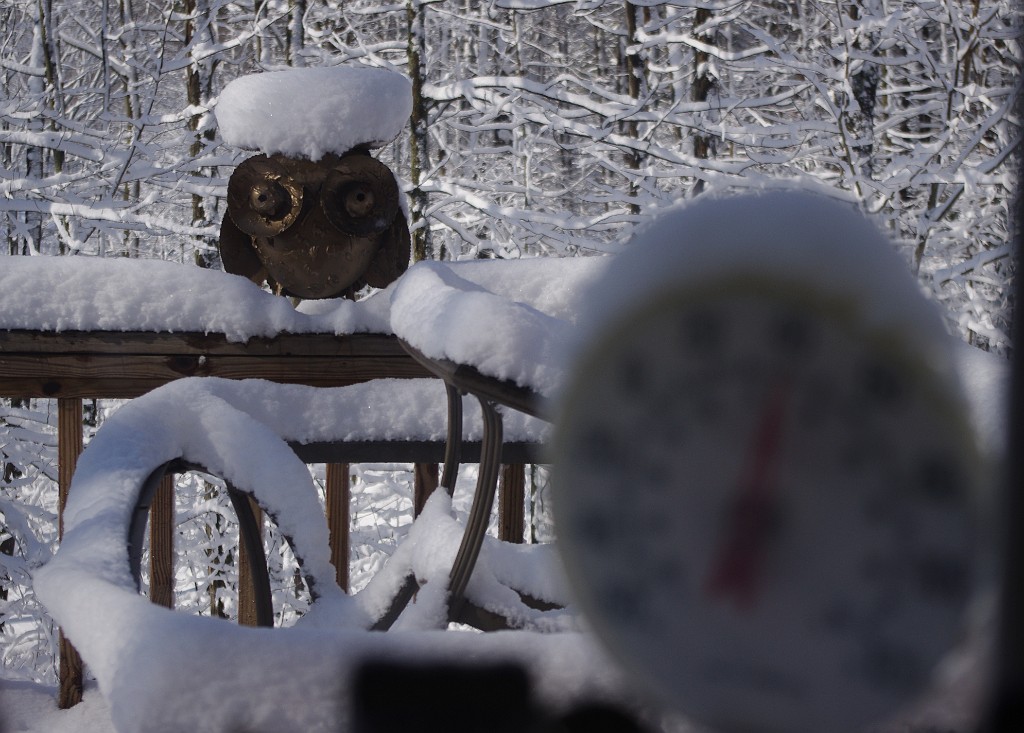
(56, 294)
(310, 112)
(448, 317)
(116, 294)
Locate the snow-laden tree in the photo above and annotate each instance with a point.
(99, 125)
(28, 535)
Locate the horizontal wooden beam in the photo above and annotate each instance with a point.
(146, 342)
(409, 451)
(99, 375)
(128, 365)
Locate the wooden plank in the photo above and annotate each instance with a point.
(70, 692)
(136, 342)
(338, 510)
(161, 544)
(511, 521)
(409, 451)
(246, 594)
(69, 448)
(124, 365)
(119, 376)
(424, 480)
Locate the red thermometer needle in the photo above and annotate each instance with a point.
(736, 569)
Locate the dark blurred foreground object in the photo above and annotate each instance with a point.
(782, 403)
(1005, 710)
(315, 229)
(391, 697)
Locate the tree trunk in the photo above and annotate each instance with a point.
(864, 87)
(633, 67)
(419, 159)
(198, 89)
(700, 91)
(295, 37)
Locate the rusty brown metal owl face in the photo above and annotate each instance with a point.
(315, 229)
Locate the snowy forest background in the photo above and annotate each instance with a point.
(539, 128)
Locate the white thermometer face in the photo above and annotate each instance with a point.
(765, 511)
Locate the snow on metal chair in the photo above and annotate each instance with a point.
(500, 351)
(142, 654)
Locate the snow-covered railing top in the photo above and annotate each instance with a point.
(89, 294)
(57, 294)
(446, 313)
(497, 310)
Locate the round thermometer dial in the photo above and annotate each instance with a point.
(765, 507)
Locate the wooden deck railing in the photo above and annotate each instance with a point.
(72, 366)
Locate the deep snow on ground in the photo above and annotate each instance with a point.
(33, 708)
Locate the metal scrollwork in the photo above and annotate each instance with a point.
(315, 229)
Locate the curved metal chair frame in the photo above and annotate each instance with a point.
(248, 532)
(490, 392)
(458, 380)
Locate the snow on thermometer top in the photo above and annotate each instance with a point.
(310, 112)
(764, 470)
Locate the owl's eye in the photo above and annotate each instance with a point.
(263, 200)
(360, 196)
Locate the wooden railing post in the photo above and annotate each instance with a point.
(161, 544)
(337, 507)
(424, 482)
(246, 592)
(512, 493)
(69, 448)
